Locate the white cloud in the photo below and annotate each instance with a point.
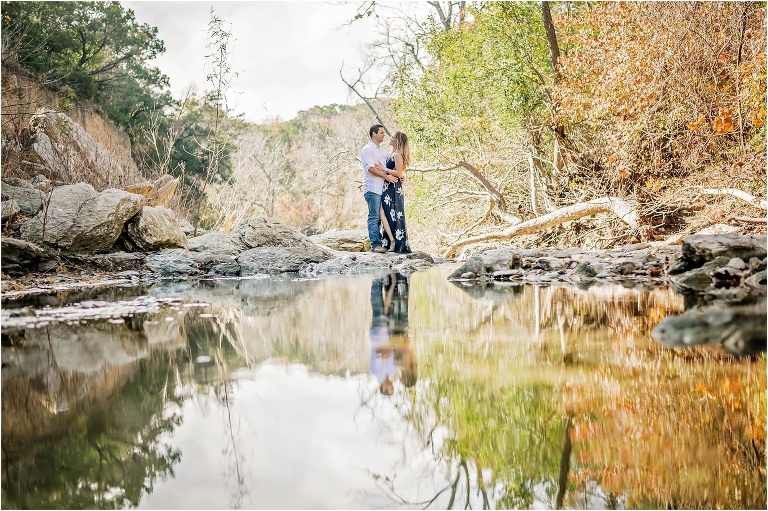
(287, 54)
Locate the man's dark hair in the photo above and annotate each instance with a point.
(374, 129)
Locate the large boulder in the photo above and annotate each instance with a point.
(344, 241)
(71, 153)
(155, 228)
(80, 219)
(28, 198)
(267, 232)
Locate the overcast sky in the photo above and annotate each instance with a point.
(287, 53)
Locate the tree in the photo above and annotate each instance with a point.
(89, 46)
(220, 77)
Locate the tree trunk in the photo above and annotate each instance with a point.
(554, 49)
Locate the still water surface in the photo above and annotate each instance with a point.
(376, 391)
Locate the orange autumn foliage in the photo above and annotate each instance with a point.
(634, 75)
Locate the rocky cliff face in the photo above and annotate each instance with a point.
(73, 144)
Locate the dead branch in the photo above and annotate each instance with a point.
(351, 87)
(747, 219)
(623, 210)
(751, 199)
(497, 198)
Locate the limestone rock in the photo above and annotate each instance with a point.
(173, 262)
(42, 183)
(63, 146)
(700, 248)
(29, 199)
(344, 241)
(158, 193)
(80, 219)
(267, 232)
(145, 189)
(273, 260)
(165, 187)
(155, 228)
(19, 252)
(217, 242)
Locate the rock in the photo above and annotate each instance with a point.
(16, 181)
(30, 200)
(186, 227)
(474, 264)
(63, 146)
(758, 281)
(165, 187)
(344, 241)
(218, 243)
(583, 271)
(172, 262)
(267, 232)
(80, 219)
(737, 264)
(8, 208)
(699, 248)
(19, 252)
(117, 260)
(155, 228)
(41, 183)
(267, 259)
(144, 189)
(229, 268)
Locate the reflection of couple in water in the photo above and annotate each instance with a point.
(391, 355)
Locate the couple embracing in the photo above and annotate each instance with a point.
(383, 176)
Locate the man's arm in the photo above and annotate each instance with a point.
(374, 167)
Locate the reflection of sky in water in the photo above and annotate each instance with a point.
(302, 439)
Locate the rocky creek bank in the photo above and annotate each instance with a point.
(59, 237)
(722, 278)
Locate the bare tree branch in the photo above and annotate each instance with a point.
(751, 199)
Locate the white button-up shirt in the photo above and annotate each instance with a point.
(370, 156)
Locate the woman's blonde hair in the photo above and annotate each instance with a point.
(402, 147)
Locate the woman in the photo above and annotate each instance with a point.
(394, 236)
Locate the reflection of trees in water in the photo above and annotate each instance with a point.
(104, 453)
(516, 423)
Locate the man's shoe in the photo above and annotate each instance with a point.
(380, 250)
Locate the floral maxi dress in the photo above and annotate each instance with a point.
(393, 203)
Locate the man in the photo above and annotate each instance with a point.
(374, 157)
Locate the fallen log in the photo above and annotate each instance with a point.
(622, 209)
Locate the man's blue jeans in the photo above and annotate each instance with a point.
(374, 204)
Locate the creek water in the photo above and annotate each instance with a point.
(372, 391)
